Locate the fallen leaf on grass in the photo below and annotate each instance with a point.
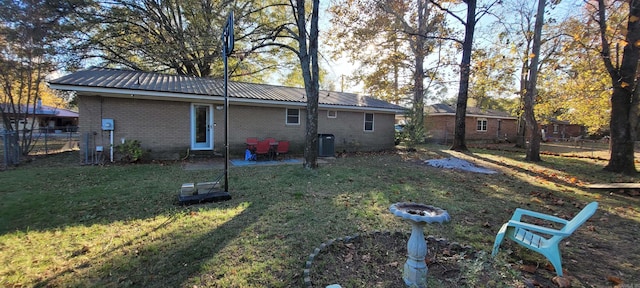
(528, 268)
(553, 269)
(562, 282)
(536, 200)
(348, 258)
(615, 280)
(82, 251)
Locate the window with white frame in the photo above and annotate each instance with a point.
(293, 116)
(332, 114)
(481, 124)
(368, 121)
(555, 129)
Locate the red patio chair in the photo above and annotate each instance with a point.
(263, 148)
(251, 143)
(283, 148)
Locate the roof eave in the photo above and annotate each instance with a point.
(154, 95)
(474, 115)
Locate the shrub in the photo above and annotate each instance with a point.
(130, 151)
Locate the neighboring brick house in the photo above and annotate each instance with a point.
(482, 125)
(172, 114)
(558, 130)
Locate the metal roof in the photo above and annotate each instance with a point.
(446, 109)
(125, 81)
(41, 110)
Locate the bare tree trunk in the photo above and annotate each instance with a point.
(533, 151)
(310, 72)
(459, 142)
(417, 126)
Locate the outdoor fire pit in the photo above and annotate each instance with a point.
(415, 269)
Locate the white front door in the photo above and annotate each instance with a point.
(201, 126)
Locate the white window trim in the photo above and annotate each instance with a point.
(486, 126)
(286, 117)
(373, 122)
(335, 114)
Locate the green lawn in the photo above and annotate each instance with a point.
(66, 225)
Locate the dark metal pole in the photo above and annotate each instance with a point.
(227, 49)
(226, 119)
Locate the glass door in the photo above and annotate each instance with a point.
(201, 126)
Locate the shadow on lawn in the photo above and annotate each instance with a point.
(478, 204)
(602, 248)
(145, 261)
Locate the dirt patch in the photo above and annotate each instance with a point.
(377, 260)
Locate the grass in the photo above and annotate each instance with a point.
(62, 224)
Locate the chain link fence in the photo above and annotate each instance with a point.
(9, 149)
(46, 143)
(42, 143)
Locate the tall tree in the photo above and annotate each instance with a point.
(625, 80)
(301, 38)
(459, 142)
(533, 150)
(517, 34)
(394, 37)
(31, 34)
(169, 36)
(469, 22)
(308, 54)
(579, 92)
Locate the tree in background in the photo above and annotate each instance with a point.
(459, 141)
(469, 23)
(491, 78)
(31, 35)
(181, 37)
(392, 40)
(533, 150)
(293, 78)
(580, 90)
(297, 35)
(517, 36)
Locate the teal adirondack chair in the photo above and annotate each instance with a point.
(542, 239)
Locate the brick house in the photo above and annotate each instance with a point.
(482, 125)
(171, 114)
(558, 130)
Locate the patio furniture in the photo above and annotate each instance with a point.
(273, 145)
(282, 148)
(543, 240)
(263, 149)
(251, 143)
